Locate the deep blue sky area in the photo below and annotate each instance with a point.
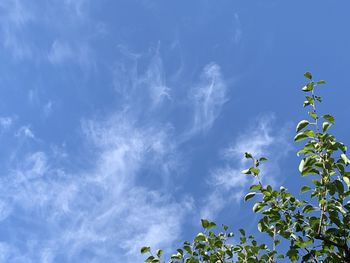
(123, 123)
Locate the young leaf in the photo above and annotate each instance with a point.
(308, 75)
(313, 115)
(320, 82)
(248, 155)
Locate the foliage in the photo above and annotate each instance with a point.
(315, 229)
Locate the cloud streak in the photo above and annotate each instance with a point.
(208, 97)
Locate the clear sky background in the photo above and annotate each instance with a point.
(122, 123)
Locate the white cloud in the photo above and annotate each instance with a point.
(150, 84)
(60, 52)
(77, 7)
(208, 98)
(105, 209)
(21, 18)
(12, 23)
(47, 109)
(25, 132)
(5, 123)
(227, 183)
(237, 36)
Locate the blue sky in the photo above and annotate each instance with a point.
(122, 123)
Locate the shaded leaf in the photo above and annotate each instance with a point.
(249, 196)
(308, 75)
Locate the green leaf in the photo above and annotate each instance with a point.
(241, 230)
(246, 171)
(308, 75)
(200, 237)
(301, 125)
(262, 159)
(248, 155)
(293, 255)
(249, 196)
(312, 114)
(145, 250)
(320, 82)
(150, 259)
(347, 181)
(308, 87)
(345, 158)
(326, 126)
(257, 207)
(261, 226)
(328, 118)
(304, 135)
(301, 165)
(254, 170)
(211, 225)
(305, 189)
(205, 223)
(255, 187)
(159, 253)
(308, 209)
(309, 170)
(299, 137)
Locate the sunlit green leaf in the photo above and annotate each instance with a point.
(301, 125)
(326, 126)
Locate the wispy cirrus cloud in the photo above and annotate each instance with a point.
(208, 97)
(102, 210)
(261, 139)
(16, 17)
(62, 52)
(134, 82)
(237, 35)
(21, 18)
